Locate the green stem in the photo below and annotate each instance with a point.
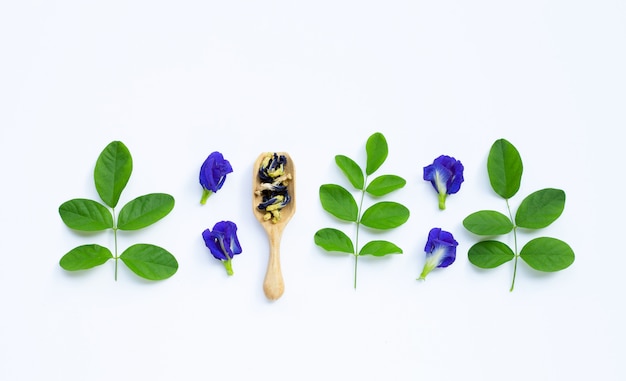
(442, 201)
(358, 225)
(205, 196)
(514, 245)
(115, 243)
(228, 265)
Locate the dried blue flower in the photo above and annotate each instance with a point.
(213, 174)
(440, 250)
(223, 243)
(446, 176)
(273, 186)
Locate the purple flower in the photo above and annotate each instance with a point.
(440, 250)
(446, 175)
(213, 174)
(223, 243)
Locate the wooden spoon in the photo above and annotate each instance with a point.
(273, 285)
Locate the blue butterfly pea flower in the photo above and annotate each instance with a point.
(223, 243)
(440, 251)
(213, 174)
(446, 176)
(273, 187)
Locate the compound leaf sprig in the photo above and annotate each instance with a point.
(111, 174)
(341, 203)
(537, 211)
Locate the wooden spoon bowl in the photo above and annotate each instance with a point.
(274, 285)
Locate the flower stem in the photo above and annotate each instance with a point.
(205, 196)
(442, 201)
(228, 265)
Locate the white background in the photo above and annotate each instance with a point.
(177, 80)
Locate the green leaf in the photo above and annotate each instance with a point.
(385, 215)
(380, 248)
(337, 201)
(540, 208)
(86, 215)
(150, 261)
(377, 151)
(489, 254)
(504, 166)
(351, 169)
(547, 254)
(488, 222)
(144, 211)
(85, 257)
(112, 172)
(334, 240)
(385, 184)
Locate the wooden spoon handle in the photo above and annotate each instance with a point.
(273, 285)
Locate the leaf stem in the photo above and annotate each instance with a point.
(115, 241)
(358, 225)
(514, 244)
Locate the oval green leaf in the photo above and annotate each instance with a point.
(334, 240)
(547, 254)
(85, 215)
(489, 254)
(504, 166)
(85, 257)
(150, 261)
(385, 184)
(351, 169)
(488, 222)
(112, 172)
(385, 215)
(377, 151)
(540, 208)
(380, 248)
(337, 201)
(144, 211)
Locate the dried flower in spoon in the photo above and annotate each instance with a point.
(273, 186)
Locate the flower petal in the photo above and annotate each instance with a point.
(457, 178)
(445, 174)
(438, 176)
(440, 248)
(211, 240)
(213, 172)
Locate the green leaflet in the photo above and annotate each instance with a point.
(488, 222)
(337, 201)
(490, 254)
(547, 254)
(538, 210)
(85, 257)
(504, 166)
(377, 151)
(86, 215)
(144, 211)
(380, 248)
(334, 240)
(111, 174)
(150, 261)
(383, 215)
(385, 184)
(351, 170)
